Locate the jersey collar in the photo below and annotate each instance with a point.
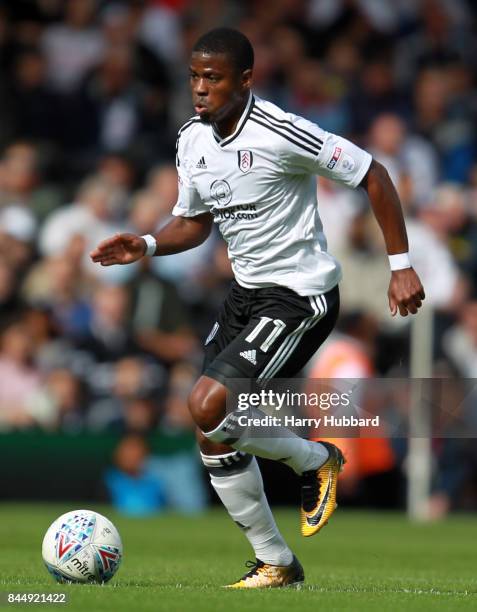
(240, 125)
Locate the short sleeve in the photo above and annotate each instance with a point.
(189, 203)
(319, 152)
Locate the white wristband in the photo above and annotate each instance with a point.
(151, 244)
(400, 261)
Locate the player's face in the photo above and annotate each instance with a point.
(218, 88)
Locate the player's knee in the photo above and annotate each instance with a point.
(207, 404)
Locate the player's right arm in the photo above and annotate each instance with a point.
(190, 227)
(180, 234)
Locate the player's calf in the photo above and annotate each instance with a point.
(237, 481)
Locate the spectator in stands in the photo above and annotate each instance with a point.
(376, 92)
(21, 182)
(161, 321)
(450, 129)
(109, 337)
(447, 213)
(20, 379)
(409, 159)
(73, 46)
(133, 488)
(59, 404)
(125, 393)
(91, 217)
(34, 106)
(57, 284)
(119, 171)
(142, 483)
(10, 301)
(460, 342)
(17, 233)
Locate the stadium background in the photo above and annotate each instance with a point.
(96, 364)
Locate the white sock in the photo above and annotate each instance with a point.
(269, 442)
(240, 488)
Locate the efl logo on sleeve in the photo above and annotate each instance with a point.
(336, 155)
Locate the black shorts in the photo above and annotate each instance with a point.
(267, 333)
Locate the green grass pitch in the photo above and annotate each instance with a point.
(361, 561)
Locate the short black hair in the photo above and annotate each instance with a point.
(229, 42)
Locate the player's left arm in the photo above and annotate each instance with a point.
(319, 152)
(405, 291)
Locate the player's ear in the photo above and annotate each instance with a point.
(247, 78)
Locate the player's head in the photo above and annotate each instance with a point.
(232, 43)
(220, 73)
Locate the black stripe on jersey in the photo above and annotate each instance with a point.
(317, 141)
(228, 140)
(187, 125)
(274, 129)
(293, 133)
(180, 132)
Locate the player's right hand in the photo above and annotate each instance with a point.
(120, 249)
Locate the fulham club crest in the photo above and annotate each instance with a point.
(245, 161)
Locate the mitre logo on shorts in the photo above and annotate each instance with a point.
(220, 191)
(245, 160)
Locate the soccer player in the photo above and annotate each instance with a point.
(248, 166)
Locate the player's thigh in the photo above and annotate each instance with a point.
(229, 323)
(284, 331)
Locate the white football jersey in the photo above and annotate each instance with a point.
(259, 185)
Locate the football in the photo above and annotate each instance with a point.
(82, 546)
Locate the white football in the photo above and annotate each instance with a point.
(82, 546)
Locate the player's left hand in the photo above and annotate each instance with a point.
(405, 292)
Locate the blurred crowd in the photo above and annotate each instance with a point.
(92, 93)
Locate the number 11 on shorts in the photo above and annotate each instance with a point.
(278, 327)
